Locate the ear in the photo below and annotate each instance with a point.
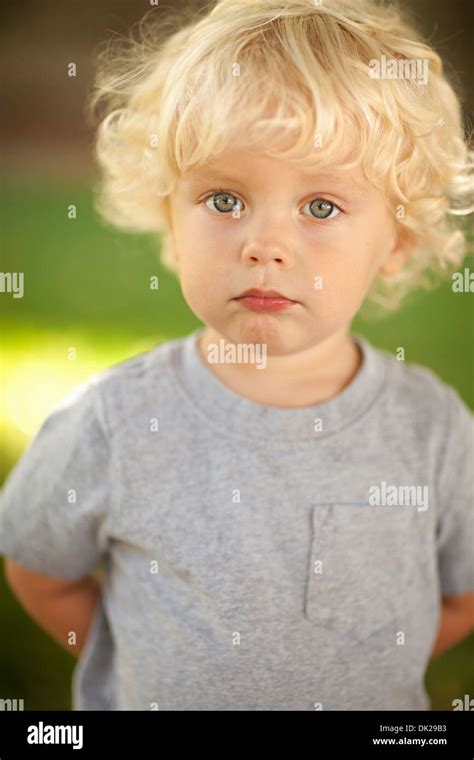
(402, 248)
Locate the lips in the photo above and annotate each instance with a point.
(264, 300)
(263, 294)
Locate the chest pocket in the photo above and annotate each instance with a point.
(361, 558)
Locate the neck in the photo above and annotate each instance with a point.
(304, 378)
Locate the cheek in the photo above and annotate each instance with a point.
(208, 252)
(341, 294)
(205, 235)
(203, 274)
(346, 272)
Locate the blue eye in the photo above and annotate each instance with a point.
(223, 202)
(227, 203)
(321, 208)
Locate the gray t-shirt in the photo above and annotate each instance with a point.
(255, 557)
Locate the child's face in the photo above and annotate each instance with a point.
(282, 241)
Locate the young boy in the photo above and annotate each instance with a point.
(284, 512)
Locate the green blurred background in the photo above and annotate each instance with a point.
(87, 284)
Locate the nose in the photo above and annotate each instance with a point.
(270, 237)
(261, 252)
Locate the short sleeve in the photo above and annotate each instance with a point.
(455, 527)
(56, 500)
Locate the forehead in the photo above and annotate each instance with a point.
(252, 169)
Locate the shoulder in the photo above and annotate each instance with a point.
(80, 428)
(157, 359)
(419, 392)
(121, 390)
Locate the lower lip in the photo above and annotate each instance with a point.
(256, 303)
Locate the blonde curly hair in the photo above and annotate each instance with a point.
(289, 78)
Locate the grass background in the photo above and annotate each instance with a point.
(86, 286)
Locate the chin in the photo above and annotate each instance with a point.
(268, 329)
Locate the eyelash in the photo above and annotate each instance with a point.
(317, 198)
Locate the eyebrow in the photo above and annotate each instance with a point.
(207, 176)
(202, 176)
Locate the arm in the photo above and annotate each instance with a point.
(57, 605)
(457, 622)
